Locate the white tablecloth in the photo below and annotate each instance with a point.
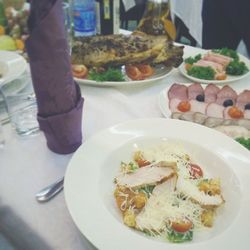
(27, 165)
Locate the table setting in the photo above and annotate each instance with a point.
(62, 183)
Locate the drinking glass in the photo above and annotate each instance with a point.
(22, 110)
(68, 23)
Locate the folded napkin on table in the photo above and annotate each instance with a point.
(58, 96)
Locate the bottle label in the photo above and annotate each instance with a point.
(84, 20)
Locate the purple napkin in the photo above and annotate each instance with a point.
(58, 96)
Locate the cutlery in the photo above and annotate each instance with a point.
(49, 192)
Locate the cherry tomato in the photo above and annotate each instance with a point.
(236, 113)
(188, 66)
(184, 106)
(145, 69)
(221, 76)
(79, 70)
(182, 226)
(195, 171)
(142, 163)
(133, 72)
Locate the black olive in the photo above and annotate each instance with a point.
(228, 102)
(200, 98)
(247, 106)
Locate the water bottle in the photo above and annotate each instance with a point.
(84, 14)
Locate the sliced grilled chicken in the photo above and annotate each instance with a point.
(191, 190)
(154, 215)
(149, 175)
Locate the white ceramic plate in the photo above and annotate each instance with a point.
(160, 73)
(229, 78)
(12, 65)
(89, 184)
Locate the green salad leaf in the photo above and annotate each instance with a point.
(192, 60)
(227, 52)
(111, 74)
(244, 142)
(236, 68)
(177, 237)
(147, 189)
(206, 73)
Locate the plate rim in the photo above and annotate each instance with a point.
(92, 236)
(243, 58)
(123, 83)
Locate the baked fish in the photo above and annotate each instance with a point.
(116, 50)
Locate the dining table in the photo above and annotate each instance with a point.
(27, 165)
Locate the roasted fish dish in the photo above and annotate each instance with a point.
(117, 50)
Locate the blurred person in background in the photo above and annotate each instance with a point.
(225, 24)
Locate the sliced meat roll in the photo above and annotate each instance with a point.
(197, 106)
(210, 93)
(199, 118)
(178, 91)
(215, 110)
(247, 114)
(173, 105)
(194, 90)
(243, 99)
(212, 122)
(225, 95)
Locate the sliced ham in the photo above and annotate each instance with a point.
(243, 99)
(210, 93)
(247, 114)
(217, 58)
(197, 106)
(149, 175)
(215, 66)
(173, 104)
(194, 90)
(226, 93)
(178, 91)
(215, 110)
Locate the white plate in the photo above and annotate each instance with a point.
(229, 78)
(12, 64)
(89, 184)
(160, 73)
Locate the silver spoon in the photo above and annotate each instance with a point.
(49, 192)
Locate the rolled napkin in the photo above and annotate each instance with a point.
(58, 96)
